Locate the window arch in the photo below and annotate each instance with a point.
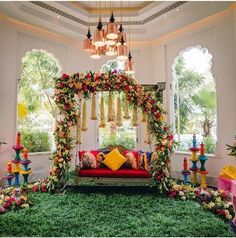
(194, 98)
(36, 108)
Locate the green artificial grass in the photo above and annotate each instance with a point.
(92, 212)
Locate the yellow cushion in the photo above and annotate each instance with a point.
(114, 160)
(228, 172)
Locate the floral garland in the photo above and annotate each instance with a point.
(84, 85)
(13, 198)
(217, 201)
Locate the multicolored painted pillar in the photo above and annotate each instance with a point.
(16, 169)
(194, 160)
(185, 172)
(9, 175)
(25, 162)
(202, 171)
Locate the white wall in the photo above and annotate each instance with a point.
(153, 62)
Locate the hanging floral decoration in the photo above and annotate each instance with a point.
(119, 113)
(67, 88)
(102, 123)
(94, 108)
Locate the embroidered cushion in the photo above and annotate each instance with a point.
(88, 160)
(131, 161)
(114, 160)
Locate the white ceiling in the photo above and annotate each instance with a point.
(149, 20)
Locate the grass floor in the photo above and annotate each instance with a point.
(111, 213)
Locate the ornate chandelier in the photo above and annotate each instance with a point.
(110, 41)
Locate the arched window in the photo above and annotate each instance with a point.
(194, 99)
(36, 108)
(126, 134)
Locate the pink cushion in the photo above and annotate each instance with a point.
(108, 173)
(224, 184)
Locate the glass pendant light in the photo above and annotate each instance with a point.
(95, 52)
(129, 65)
(87, 46)
(112, 29)
(120, 34)
(111, 50)
(99, 34)
(122, 50)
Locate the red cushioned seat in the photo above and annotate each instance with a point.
(108, 173)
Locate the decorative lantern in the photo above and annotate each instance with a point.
(99, 35)
(87, 46)
(129, 65)
(122, 51)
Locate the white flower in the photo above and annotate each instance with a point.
(184, 198)
(181, 193)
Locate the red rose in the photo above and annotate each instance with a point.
(7, 205)
(65, 76)
(35, 189)
(85, 88)
(43, 188)
(12, 199)
(127, 87)
(152, 101)
(92, 89)
(166, 128)
(67, 107)
(158, 115)
(159, 177)
(171, 137)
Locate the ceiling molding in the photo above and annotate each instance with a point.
(85, 23)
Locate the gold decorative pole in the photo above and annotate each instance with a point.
(110, 116)
(94, 108)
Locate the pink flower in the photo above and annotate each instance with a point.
(171, 137)
(2, 209)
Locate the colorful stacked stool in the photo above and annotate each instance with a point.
(25, 162)
(185, 172)
(202, 171)
(9, 175)
(16, 169)
(194, 160)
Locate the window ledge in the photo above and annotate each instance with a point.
(189, 153)
(40, 153)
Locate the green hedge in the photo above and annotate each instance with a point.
(35, 141)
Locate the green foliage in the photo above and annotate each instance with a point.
(90, 214)
(39, 68)
(210, 144)
(186, 83)
(35, 141)
(125, 139)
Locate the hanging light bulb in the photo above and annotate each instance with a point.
(122, 50)
(111, 50)
(99, 34)
(95, 52)
(112, 29)
(87, 46)
(129, 65)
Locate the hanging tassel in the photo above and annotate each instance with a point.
(78, 126)
(118, 113)
(111, 114)
(102, 122)
(78, 132)
(144, 116)
(126, 114)
(135, 117)
(84, 117)
(94, 108)
(148, 134)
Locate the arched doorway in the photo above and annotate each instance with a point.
(36, 107)
(194, 98)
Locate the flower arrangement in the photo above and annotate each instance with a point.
(232, 149)
(84, 85)
(217, 201)
(13, 198)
